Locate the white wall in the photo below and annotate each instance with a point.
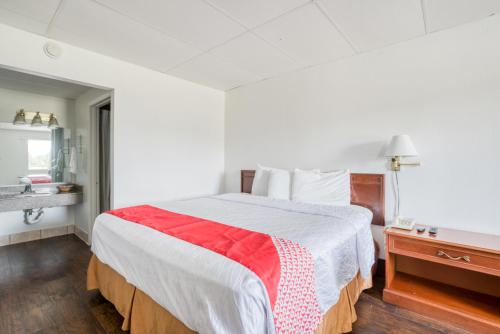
(442, 89)
(12, 221)
(168, 133)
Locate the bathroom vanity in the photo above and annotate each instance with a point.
(12, 198)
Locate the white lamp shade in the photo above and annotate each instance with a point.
(401, 146)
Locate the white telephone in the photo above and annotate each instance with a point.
(403, 223)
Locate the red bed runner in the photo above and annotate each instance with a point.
(284, 267)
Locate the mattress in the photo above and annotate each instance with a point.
(210, 293)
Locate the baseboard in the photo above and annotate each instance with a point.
(32, 235)
(81, 234)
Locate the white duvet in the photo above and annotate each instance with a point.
(210, 293)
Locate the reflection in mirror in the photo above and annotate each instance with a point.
(38, 153)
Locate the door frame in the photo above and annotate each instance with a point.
(94, 158)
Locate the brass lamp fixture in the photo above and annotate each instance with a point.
(396, 163)
(20, 118)
(37, 120)
(401, 146)
(53, 123)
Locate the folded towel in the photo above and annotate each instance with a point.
(38, 179)
(72, 160)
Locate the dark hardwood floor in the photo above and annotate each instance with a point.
(42, 290)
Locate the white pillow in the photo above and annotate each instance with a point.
(279, 184)
(332, 188)
(261, 181)
(278, 187)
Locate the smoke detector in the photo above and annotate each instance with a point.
(52, 50)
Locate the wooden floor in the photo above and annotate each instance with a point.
(42, 290)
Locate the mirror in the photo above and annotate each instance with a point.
(39, 153)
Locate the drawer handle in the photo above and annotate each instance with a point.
(466, 258)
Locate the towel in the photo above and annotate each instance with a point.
(72, 160)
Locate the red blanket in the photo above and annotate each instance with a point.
(284, 267)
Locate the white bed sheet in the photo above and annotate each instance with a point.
(210, 293)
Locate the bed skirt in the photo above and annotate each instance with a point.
(141, 314)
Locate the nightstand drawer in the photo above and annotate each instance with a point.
(450, 255)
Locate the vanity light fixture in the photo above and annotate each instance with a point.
(20, 118)
(401, 146)
(53, 123)
(37, 120)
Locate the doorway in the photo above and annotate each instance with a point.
(101, 115)
(104, 120)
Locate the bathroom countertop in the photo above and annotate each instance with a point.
(48, 201)
(17, 188)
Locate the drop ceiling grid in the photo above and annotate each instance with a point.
(98, 28)
(32, 19)
(256, 27)
(245, 29)
(41, 11)
(445, 14)
(56, 12)
(201, 52)
(33, 16)
(19, 21)
(249, 29)
(323, 10)
(424, 16)
(150, 26)
(299, 63)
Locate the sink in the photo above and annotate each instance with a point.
(33, 194)
(36, 193)
(40, 197)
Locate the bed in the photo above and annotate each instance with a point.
(161, 284)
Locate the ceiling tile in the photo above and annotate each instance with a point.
(307, 35)
(211, 71)
(255, 12)
(39, 10)
(192, 21)
(442, 14)
(87, 24)
(22, 22)
(255, 55)
(372, 24)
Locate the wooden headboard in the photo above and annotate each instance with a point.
(366, 190)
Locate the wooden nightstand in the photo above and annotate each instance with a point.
(454, 276)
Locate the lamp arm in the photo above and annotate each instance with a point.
(396, 163)
(409, 163)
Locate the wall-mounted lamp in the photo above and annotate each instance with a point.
(53, 123)
(401, 146)
(20, 118)
(38, 119)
